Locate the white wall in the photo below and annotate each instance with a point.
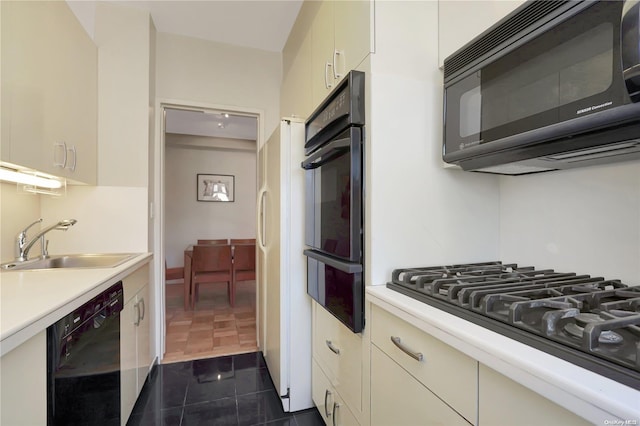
(123, 37)
(417, 212)
(584, 220)
(199, 71)
(186, 219)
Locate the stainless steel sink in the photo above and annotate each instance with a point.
(106, 260)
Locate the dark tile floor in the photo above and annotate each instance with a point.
(227, 390)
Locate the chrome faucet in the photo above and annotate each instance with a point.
(23, 247)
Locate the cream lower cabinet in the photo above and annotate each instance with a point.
(135, 353)
(505, 402)
(332, 407)
(23, 383)
(397, 398)
(338, 367)
(445, 379)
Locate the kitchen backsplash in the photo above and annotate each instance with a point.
(17, 210)
(110, 219)
(583, 220)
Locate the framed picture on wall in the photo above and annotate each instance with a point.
(216, 188)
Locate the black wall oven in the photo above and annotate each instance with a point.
(334, 136)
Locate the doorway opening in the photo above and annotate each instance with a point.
(209, 185)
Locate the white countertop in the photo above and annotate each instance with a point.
(596, 398)
(30, 301)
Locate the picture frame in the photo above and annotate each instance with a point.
(218, 188)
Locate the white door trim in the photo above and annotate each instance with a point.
(157, 210)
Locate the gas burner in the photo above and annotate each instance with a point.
(577, 328)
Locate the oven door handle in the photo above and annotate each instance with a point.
(341, 265)
(326, 154)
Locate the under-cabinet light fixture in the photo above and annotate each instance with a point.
(27, 178)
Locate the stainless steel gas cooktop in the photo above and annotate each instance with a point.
(591, 322)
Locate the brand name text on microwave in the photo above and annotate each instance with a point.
(593, 107)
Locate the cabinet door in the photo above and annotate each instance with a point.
(128, 358)
(26, 49)
(144, 357)
(49, 82)
(339, 352)
(23, 383)
(322, 44)
(460, 21)
(397, 398)
(503, 401)
(352, 20)
(330, 404)
(74, 96)
(296, 101)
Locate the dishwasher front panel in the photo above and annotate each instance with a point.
(83, 363)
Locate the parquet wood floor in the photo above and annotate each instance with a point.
(213, 328)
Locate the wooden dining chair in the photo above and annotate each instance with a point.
(211, 264)
(218, 241)
(236, 241)
(244, 266)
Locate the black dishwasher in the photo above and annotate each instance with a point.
(83, 363)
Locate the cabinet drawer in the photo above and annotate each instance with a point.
(339, 353)
(134, 282)
(503, 401)
(397, 398)
(445, 371)
(331, 406)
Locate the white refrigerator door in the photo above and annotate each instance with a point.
(287, 308)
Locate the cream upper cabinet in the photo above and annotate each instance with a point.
(459, 21)
(340, 39)
(49, 90)
(329, 39)
(322, 46)
(352, 29)
(295, 100)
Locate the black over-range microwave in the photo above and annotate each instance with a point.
(334, 145)
(554, 85)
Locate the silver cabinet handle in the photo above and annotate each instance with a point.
(332, 347)
(327, 393)
(144, 309)
(415, 355)
(137, 308)
(336, 53)
(327, 84)
(62, 146)
(72, 167)
(335, 407)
